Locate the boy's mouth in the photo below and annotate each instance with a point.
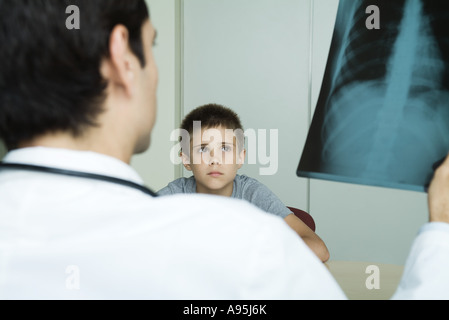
(215, 174)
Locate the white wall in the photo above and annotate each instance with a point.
(155, 166)
(254, 56)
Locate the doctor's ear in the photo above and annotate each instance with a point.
(120, 67)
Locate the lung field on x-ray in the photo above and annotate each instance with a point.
(386, 115)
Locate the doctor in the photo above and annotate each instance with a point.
(75, 219)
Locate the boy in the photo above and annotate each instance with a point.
(216, 156)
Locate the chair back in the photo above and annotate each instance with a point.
(304, 216)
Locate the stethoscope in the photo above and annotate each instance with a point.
(77, 174)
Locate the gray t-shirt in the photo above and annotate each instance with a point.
(245, 188)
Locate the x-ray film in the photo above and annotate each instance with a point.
(382, 117)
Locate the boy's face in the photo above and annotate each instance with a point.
(214, 160)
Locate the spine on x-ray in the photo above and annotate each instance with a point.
(386, 82)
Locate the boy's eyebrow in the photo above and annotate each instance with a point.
(206, 144)
(201, 145)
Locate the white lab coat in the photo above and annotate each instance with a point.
(72, 238)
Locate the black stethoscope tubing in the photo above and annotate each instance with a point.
(77, 174)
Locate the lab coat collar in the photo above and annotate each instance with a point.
(84, 161)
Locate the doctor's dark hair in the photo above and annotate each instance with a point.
(50, 78)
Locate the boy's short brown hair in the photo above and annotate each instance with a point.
(213, 116)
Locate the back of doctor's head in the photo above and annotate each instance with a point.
(50, 58)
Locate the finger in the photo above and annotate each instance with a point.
(444, 161)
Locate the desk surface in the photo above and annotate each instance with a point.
(356, 279)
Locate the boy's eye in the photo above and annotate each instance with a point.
(226, 148)
(203, 149)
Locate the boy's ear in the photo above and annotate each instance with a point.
(241, 158)
(185, 160)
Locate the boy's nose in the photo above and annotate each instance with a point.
(213, 159)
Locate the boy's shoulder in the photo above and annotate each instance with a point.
(251, 189)
(181, 185)
(244, 180)
(245, 186)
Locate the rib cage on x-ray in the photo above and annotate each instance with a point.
(386, 109)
